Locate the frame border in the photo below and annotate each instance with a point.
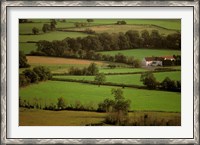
(6, 4)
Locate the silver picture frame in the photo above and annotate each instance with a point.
(4, 61)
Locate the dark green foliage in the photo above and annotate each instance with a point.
(39, 73)
(92, 69)
(22, 60)
(100, 78)
(23, 20)
(53, 24)
(170, 85)
(46, 27)
(23, 80)
(149, 80)
(90, 20)
(43, 73)
(121, 22)
(35, 31)
(134, 38)
(118, 108)
(30, 74)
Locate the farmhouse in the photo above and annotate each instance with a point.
(156, 61)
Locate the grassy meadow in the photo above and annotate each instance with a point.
(128, 79)
(91, 95)
(161, 107)
(141, 53)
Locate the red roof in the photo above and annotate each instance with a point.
(168, 57)
(153, 58)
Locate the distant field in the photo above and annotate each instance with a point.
(130, 79)
(33, 117)
(50, 36)
(125, 28)
(121, 70)
(58, 60)
(141, 53)
(27, 47)
(30, 117)
(26, 28)
(166, 23)
(91, 95)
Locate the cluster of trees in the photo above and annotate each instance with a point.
(150, 82)
(46, 27)
(119, 41)
(67, 48)
(23, 63)
(38, 73)
(121, 22)
(92, 69)
(117, 108)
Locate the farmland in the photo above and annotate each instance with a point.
(80, 118)
(141, 53)
(88, 94)
(58, 78)
(130, 79)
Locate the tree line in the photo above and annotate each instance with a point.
(150, 82)
(117, 41)
(38, 73)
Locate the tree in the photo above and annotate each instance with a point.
(100, 78)
(35, 31)
(145, 38)
(92, 69)
(22, 60)
(61, 103)
(168, 84)
(53, 24)
(46, 27)
(43, 73)
(120, 108)
(31, 75)
(148, 80)
(90, 20)
(23, 80)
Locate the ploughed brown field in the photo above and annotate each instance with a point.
(57, 60)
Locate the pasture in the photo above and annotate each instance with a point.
(27, 47)
(91, 95)
(125, 28)
(33, 117)
(141, 52)
(50, 36)
(129, 79)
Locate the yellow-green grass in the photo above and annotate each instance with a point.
(31, 117)
(129, 79)
(125, 28)
(166, 23)
(27, 47)
(91, 95)
(142, 52)
(50, 36)
(121, 70)
(34, 117)
(26, 28)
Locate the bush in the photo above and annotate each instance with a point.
(149, 80)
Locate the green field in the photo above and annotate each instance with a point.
(55, 35)
(33, 117)
(125, 28)
(174, 24)
(91, 95)
(121, 70)
(141, 53)
(130, 79)
(27, 47)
